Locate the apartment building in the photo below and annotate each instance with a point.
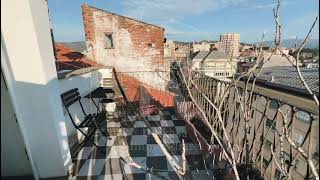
(214, 64)
(203, 46)
(169, 49)
(229, 43)
(182, 50)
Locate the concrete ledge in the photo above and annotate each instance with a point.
(72, 73)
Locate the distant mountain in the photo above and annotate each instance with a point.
(290, 43)
(79, 46)
(191, 42)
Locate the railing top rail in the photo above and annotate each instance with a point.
(301, 102)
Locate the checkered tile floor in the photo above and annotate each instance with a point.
(131, 136)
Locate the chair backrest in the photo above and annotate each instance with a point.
(70, 97)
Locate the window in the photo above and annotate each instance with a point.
(108, 41)
(271, 124)
(151, 45)
(273, 104)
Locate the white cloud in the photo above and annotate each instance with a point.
(253, 6)
(166, 9)
(172, 14)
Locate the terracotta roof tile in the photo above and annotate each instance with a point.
(67, 58)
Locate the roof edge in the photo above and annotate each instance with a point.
(84, 4)
(291, 90)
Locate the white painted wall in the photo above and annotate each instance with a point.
(33, 84)
(12, 145)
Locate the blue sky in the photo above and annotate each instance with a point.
(192, 20)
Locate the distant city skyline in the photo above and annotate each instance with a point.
(194, 20)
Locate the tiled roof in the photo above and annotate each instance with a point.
(69, 59)
(201, 55)
(287, 76)
(217, 55)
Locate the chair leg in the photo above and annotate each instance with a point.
(87, 138)
(97, 106)
(106, 134)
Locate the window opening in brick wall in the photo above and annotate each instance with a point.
(108, 41)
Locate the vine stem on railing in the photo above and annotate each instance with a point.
(298, 148)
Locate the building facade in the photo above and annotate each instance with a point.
(229, 43)
(204, 46)
(121, 41)
(182, 51)
(169, 49)
(214, 64)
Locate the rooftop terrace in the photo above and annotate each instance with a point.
(132, 142)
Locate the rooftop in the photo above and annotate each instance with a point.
(216, 55)
(70, 59)
(287, 78)
(201, 55)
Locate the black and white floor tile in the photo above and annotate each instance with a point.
(131, 138)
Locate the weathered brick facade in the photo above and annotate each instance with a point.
(144, 93)
(138, 46)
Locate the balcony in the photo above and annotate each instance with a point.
(152, 119)
(132, 151)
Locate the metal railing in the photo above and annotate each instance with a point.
(254, 120)
(252, 117)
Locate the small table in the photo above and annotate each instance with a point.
(99, 93)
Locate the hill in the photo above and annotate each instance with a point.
(79, 46)
(290, 43)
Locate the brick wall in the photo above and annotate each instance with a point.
(89, 28)
(131, 39)
(146, 95)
